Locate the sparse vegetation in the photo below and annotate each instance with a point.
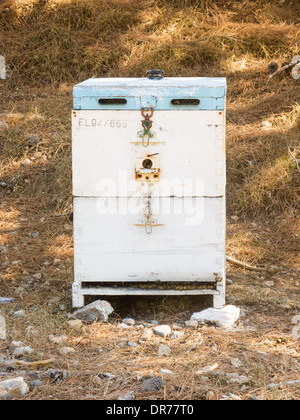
(52, 44)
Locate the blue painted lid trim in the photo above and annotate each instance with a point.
(206, 93)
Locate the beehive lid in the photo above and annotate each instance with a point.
(168, 93)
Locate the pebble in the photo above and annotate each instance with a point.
(13, 388)
(2, 328)
(164, 350)
(19, 314)
(128, 321)
(58, 339)
(166, 372)
(66, 350)
(147, 334)
(162, 330)
(225, 317)
(127, 397)
(132, 344)
(3, 125)
(75, 324)
(22, 351)
(177, 334)
(95, 311)
(191, 324)
(152, 385)
(36, 383)
(32, 140)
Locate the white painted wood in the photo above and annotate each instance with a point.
(115, 247)
(190, 144)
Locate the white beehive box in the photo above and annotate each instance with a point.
(149, 187)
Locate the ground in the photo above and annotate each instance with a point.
(36, 250)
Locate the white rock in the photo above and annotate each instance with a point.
(74, 324)
(296, 319)
(225, 317)
(95, 311)
(19, 314)
(2, 68)
(2, 328)
(177, 334)
(58, 339)
(166, 372)
(66, 350)
(21, 351)
(233, 378)
(191, 324)
(128, 321)
(3, 125)
(13, 388)
(164, 350)
(162, 330)
(147, 334)
(127, 397)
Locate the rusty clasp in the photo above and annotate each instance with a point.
(147, 114)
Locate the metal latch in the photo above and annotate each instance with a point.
(146, 134)
(147, 168)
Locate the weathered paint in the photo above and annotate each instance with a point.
(156, 93)
(188, 147)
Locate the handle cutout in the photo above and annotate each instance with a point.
(112, 101)
(178, 102)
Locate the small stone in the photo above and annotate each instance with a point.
(36, 383)
(162, 330)
(166, 372)
(75, 324)
(95, 311)
(66, 350)
(35, 235)
(58, 339)
(22, 351)
(13, 388)
(2, 328)
(127, 397)
(147, 334)
(32, 140)
(270, 283)
(210, 395)
(26, 162)
(30, 330)
(191, 324)
(224, 317)
(3, 71)
(164, 350)
(177, 334)
(132, 344)
(124, 326)
(128, 321)
(296, 319)
(236, 363)
(19, 314)
(3, 126)
(152, 385)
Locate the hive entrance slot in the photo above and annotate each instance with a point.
(179, 102)
(112, 101)
(158, 285)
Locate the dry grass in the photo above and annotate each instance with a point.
(52, 44)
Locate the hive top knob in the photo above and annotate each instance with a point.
(156, 74)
